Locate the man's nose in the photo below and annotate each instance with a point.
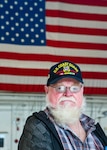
(68, 92)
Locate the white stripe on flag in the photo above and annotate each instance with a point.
(47, 65)
(76, 8)
(42, 80)
(54, 51)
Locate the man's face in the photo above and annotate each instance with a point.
(73, 98)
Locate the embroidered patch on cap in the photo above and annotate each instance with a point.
(64, 69)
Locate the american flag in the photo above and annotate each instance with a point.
(35, 34)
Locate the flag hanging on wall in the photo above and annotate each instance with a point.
(35, 34)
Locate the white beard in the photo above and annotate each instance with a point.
(66, 114)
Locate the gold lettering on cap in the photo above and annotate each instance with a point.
(65, 64)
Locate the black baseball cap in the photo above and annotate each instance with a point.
(64, 69)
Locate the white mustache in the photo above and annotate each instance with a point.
(67, 99)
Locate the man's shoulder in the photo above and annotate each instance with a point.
(100, 134)
(34, 124)
(35, 118)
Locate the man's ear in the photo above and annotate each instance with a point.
(46, 89)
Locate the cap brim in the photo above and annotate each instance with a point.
(65, 76)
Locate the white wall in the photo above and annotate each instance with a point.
(15, 108)
(5, 125)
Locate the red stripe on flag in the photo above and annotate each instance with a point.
(76, 15)
(45, 57)
(64, 44)
(40, 89)
(44, 72)
(22, 88)
(76, 30)
(93, 91)
(94, 75)
(83, 2)
(23, 71)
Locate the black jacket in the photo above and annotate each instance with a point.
(40, 134)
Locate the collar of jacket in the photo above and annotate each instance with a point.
(45, 119)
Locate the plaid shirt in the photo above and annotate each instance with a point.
(71, 142)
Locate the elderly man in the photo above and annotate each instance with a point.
(63, 125)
